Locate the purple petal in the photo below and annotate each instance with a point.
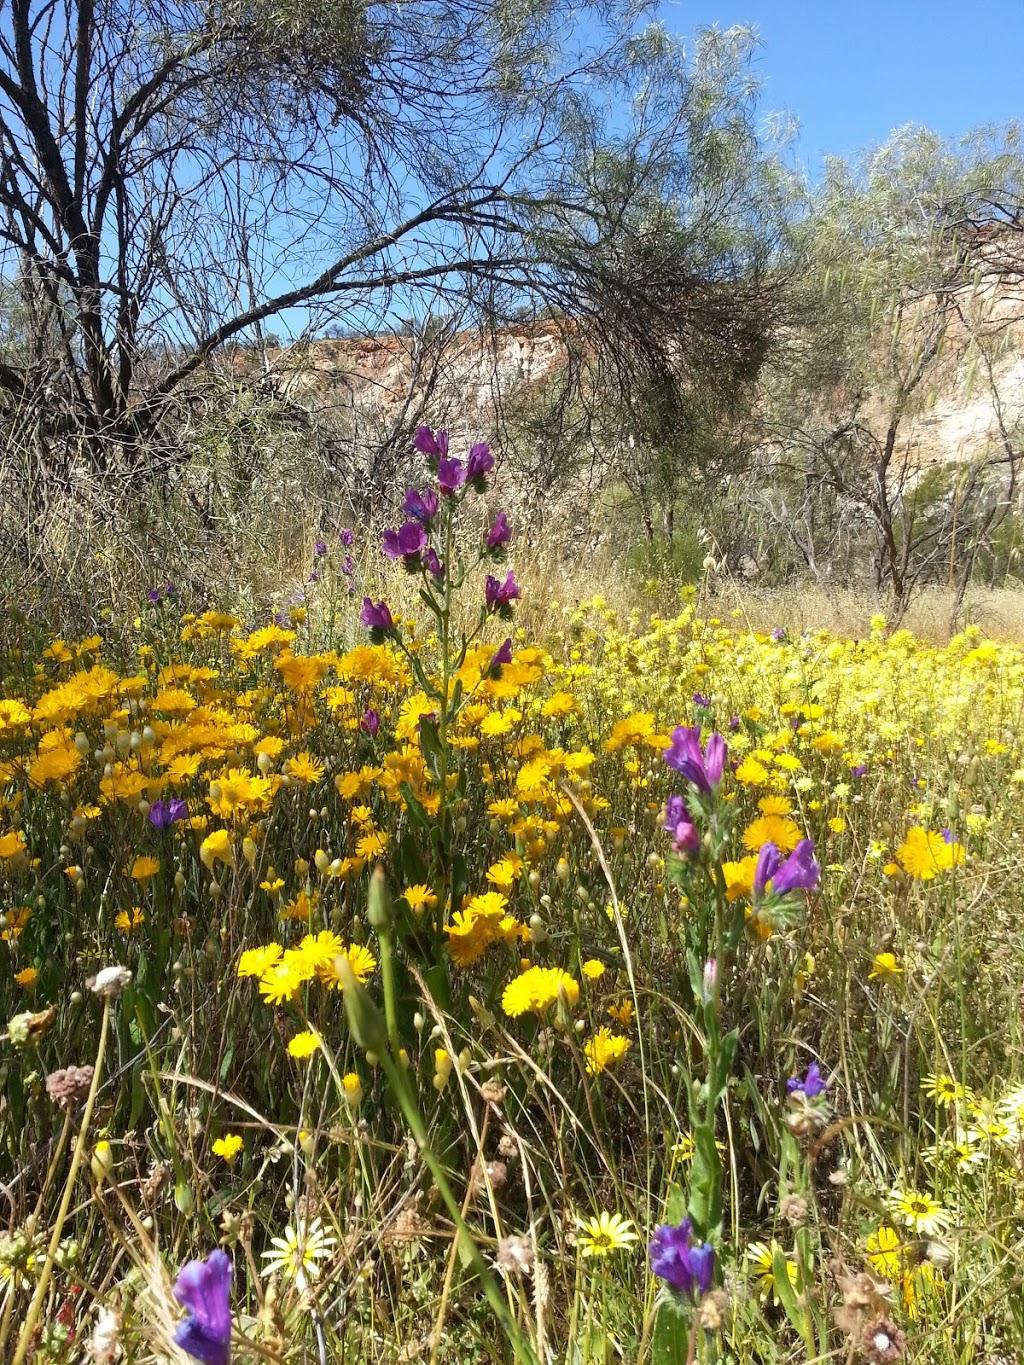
(204, 1288)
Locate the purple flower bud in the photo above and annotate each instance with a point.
(811, 1085)
(450, 475)
(800, 871)
(734, 722)
(480, 463)
(204, 1289)
(370, 722)
(346, 537)
(501, 656)
(500, 596)
(432, 564)
(320, 548)
(500, 533)
(687, 1266)
(420, 506)
(163, 814)
(678, 823)
(428, 444)
(348, 566)
(376, 617)
(684, 754)
(408, 541)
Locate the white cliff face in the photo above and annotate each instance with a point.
(468, 375)
(464, 381)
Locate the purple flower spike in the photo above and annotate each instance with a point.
(320, 548)
(500, 596)
(703, 769)
(376, 617)
(405, 543)
(346, 537)
(800, 871)
(687, 1266)
(699, 699)
(204, 1289)
(480, 463)
(428, 444)
(370, 722)
(420, 506)
(501, 656)
(812, 1085)
(163, 814)
(860, 770)
(768, 860)
(499, 534)
(450, 475)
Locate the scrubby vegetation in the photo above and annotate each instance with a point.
(385, 984)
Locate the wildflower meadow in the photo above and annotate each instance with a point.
(383, 984)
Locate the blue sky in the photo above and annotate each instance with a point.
(852, 70)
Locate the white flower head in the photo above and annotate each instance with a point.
(110, 982)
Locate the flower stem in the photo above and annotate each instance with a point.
(32, 1318)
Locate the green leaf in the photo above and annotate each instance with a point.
(787, 1296)
(705, 1207)
(430, 743)
(671, 1337)
(417, 812)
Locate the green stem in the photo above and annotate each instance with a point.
(29, 1326)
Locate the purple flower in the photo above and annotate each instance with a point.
(346, 537)
(314, 577)
(779, 633)
(860, 770)
(155, 594)
(480, 463)
(947, 836)
(204, 1288)
(420, 506)
(450, 475)
(812, 1085)
(428, 444)
(370, 722)
(685, 836)
(432, 564)
(320, 548)
(163, 814)
(686, 1265)
(376, 617)
(405, 543)
(800, 871)
(348, 566)
(499, 534)
(500, 596)
(768, 860)
(734, 722)
(501, 656)
(699, 699)
(704, 770)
